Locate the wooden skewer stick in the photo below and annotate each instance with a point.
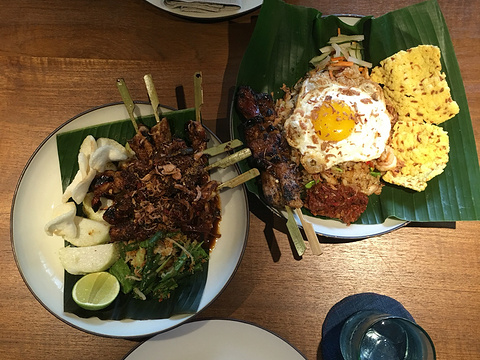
(197, 83)
(310, 233)
(152, 94)
(240, 179)
(127, 100)
(295, 233)
(227, 146)
(230, 160)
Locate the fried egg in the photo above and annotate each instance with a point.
(333, 123)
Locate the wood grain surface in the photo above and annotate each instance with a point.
(59, 58)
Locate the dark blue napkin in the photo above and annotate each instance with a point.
(342, 310)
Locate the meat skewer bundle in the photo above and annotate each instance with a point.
(165, 186)
(280, 176)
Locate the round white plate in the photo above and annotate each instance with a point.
(216, 340)
(247, 5)
(39, 191)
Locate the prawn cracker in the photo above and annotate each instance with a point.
(422, 153)
(415, 85)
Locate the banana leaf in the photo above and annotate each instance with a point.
(186, 298)
(279, 52)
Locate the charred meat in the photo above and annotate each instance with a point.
(281, 177)
(163, 188)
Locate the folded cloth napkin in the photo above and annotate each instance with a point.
(203, 6)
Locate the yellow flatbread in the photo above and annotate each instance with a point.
(415, 85)
(422, 153)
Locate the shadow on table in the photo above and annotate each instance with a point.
(273, 221)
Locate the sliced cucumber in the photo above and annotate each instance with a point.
(84, 260)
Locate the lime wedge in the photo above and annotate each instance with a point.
(95, 291)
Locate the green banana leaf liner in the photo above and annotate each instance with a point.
(286, 37)
(186, 298)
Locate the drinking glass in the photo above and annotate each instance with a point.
(371, 335)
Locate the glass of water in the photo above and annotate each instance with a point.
(370, 335)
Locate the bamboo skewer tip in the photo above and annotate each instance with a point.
(153, 96)
(197, 83)
(309, 233)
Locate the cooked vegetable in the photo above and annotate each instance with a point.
(153, 268)
(344, 50)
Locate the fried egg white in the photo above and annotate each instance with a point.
(333, 123)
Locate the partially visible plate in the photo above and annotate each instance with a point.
(216, 340)
(247, 5)
(338, 230)
(330, 227)
(39, 191)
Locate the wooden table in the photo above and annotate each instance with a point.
(58, 58)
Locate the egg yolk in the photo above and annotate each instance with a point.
(333, 121)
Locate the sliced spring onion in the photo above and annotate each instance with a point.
(345, 38)
(338, 50)
(326, 49)
(310, 184)
(319, 58)
(321, 64)
(347, 46)
(359, 61)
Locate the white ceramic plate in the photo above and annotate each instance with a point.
(39, 191)
(334, 228)
(216, 340)
(247, 5)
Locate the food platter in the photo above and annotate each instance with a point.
(279, 54)
(330, 227)
(39, 190)
(247, 5)
(336, 229)
(216, 339)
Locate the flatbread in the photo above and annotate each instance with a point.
(415, 85)
(422, 153)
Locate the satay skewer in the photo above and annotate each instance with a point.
(197, 84)
(240, 179)
(127, 100)
(310, 233)
(294, 232)
(152, 94)
(230, 160)
(224, 147)
(216, 150)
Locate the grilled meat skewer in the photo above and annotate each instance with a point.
(164, 187)
(280, 176)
